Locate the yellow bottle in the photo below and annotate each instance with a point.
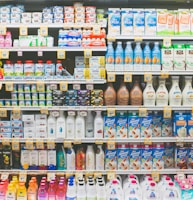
(21, 192)
(35, 181)
(10, 193)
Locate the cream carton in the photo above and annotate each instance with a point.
(179, 57)
(123, 156)
(189, 57)
(146, 157)
(126, 21)
(135, 156)
(109, 127)
(180, 125)
(114, 21)
(146, 126)
(150, 21)
(162, 28)
(134, 123)
(122, 125)
(167, 58)
(138, 22)
(171, 19)
(158, 156)
(184, 21)
(190, 125)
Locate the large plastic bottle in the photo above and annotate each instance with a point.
(115, 191)
(110, 95)
(80, 158)
(51, 126)
(162, 93)
(90, 158)
(101, 191)
(60, 192)
(187, 92)
(61, 158)
(98, 125)
(138, 57)
(21, 192)
(71, 191)
(110, 57)
(11, 193)
(51, 191)
(128, 64)
(100, 158)
(149, 95)
(81, 191)
(122, 94)
(32, 191)
(91, 191)
(136, 96)
(89, 125)
(151, 193)
(119, 57)
(147, 57)
(171, 192)
(80, 126)
(70, 127)
(61, 126)
(156, 57)
(70, 157)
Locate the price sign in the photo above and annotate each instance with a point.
(3, 112)
(1, 86)
(44, 31)
(87, 53)
(89, 174)
(15, 145)
(16, 112)
(51, 176)
(76, 87)
(77, 141)
(22, 177)
(55, 113)
(155, 176)
(89, 86)
(9, 87)
(4, 54)
(148, 141)
(111, 38)
(87, 73)
(96, 30)
(40, 53)
(50, 144)
(5, 141)
(3, 30)
(83, 113)
(78, 176)
(67, 144)
(97, 174)
(111, 77)
(53, 87)
(142, 112)
(111, 145)
(98, 141)
(164, 74)
(181, 176)
(71, 113)
(180, 139)
(40, 86)
(167, 42)
(29, 145)
(19, 53)
(44, 110)
(147, 77)
(4, 176)
(111, 112)
(138, 39)
(61, 54)
(23, 30)
(128, 77)
(69, 175)
(39, 144)
(167, 112)
(63, 86)
(102, 73)
(111, 175)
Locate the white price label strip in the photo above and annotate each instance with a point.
(4, 176)
(51, 176)
(22, 177)
(23, 30)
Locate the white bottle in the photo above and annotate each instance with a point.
(61, 126)
(90, 158)
(175, 94)
(101, 191)
(71, 191)
(81, 191)
(70, 157)
(133, 191)
(100, 157)
(162, 93)
(79, 126)
(51, 126)
(89, 125)
(151, 193)
(98, 125)
(149, 95)
(91, 191)
(171, 192)
(187, 93)
(70, 127)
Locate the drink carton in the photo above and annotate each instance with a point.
(127, 21)
(109, 127)
(167, 58)
(134, 123)
(135, 156)
(190, 125)
(150, 21)
(139, 22)
(111, 159)
(171, 19)
(146, 126)
(179, 57)
(189, 57)
(162, 28)
(122, 125)
(114, 21)
(146, 157)
(180, 123)
(167, 127)
(184, 21)
(123, 156)
(158, 156)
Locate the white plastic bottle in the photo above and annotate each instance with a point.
(71, 191)
(149, 95)
(89, 125)
(70, 127)
(81, 191)
(91, 191)
(187, 93)
(100, 157)
(162, 93)
(61, 126)
(80, 126)
(70, 157)
(151, 193)
(171, 192)
(175, 94)
(101, 191)
(98, 125)
(51, 126)
(90, 158)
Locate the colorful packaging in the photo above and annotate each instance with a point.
(146, 126)
(167, 58)
(179, 56)
(138, 22)
(146, 157)
(190, 157)
(150, 21)
(134, 123)
(189, 57)
(109, 127)
(184, 21)
(135, 156)
(162, 28)
(181, 157)
(127, 21)
(157, 124)
(171, 19)
(122, 125)
(180, 125)
(167, 127)
(158, 156)
(190, 125)
(169, 155)
(114, 21)
(110, 159)
(123, 156)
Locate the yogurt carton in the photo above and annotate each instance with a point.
(169, 155)
(110, 159)
(189, 57)
(190, 157)
(150, 21)
(181, 157)
(184, 21)
(146, 126)
(127, 21)
(180, 124)
(109, 127)
(167, 58)
(179, 57)
(123, 156)
(190, 125)
(158, 156)
(134, 123)
(122, 125)
(167, 127)
(138, 22)
(157, 125)
(146, 157)
(135, 156)
(114, 21)
(162, 21)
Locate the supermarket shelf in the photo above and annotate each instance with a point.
(54, 81)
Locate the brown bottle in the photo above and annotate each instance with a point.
(136, 95)
(123, 95)
(110, 95)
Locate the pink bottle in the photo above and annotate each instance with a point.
(42, 192)
(2, 191)
(8, 40)
(2, 41)
(51, 191)
(61, 192)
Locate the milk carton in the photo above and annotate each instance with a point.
(114, 21)
(180, 124)
(146, 157)
(167, 127)
(134, 123)
(110, 159)
(157, 125)
(122, 125)
(162, 28)
(190, 125)
(146, 126)
(181, 157)
(190, 157)
(191, 21)
(184, 21)
(127, 21)
(179, 57)
(167, 58)
(135, 156)
(150, 21)
(171, 19)
(189, 57)
(138, 22)
(158, 156)
(123, 156)
(109, 127)
(169, 155)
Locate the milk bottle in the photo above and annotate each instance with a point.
(187, 93)
(149, 95)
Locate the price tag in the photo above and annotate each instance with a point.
(180, 139)
(138, 39)
(63, 86)
(19, 53)
(16, 112)
(111, 112)
(15, 145)
(147, 77)
(77, 141)
(3, 30)
(23, 30)
(97, 174)
(78, 176)
(167, 112)
(148, 141)
(4, 176)
(128, 77)
(39, 144)
(98, 141)
(155, 176)
(22, 177)
(102, 72)
(61, 54)
(181, 176)
(69, 175)
(29, 144)
(111, 77)
(44, 31)
(67, 144)
(87, 53)
(3, 112)
(9, 87)
(83, 113)
(40, 86)
(44, 110)
(71, 113)
(5, 141)
(87, 73)
(51, 176)
(4, 54)
(167, 42)
(40, 53)
(111, 145)
(111, 175)
(76, 87)
(142, 112)
(111, 38)
(55, 113)
(89, 86)
(50, 144)
(164, 74)
(1, 86)
(53, 87)
(96, 30)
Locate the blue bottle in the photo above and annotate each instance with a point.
(128, 61)
(147, 57)
(119, 57)
(110, 57)
(138, 57)
(156, 57)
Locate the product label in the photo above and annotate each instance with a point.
(146, 127)
(146, 158)
(181, 157)
(169, 156)
(122, 127)
(111, 159)
(180, 125)
(123, 158)
(158, 158)
(167, 127)
(190, 125)
(109, 127)
(135, 158)
(157, 125)
(134, 123)
(127, 22)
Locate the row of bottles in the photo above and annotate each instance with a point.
(175, 96)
